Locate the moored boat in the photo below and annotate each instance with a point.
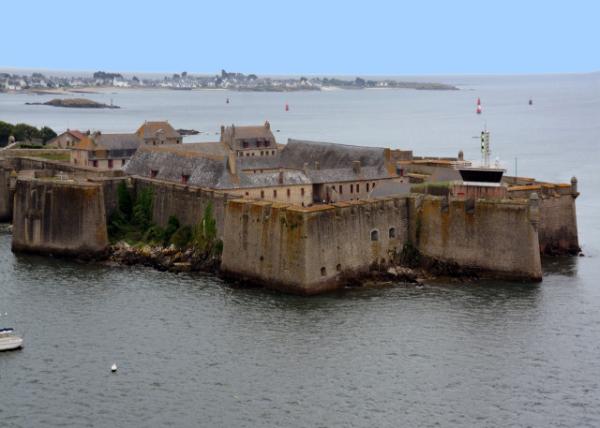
(9, 340)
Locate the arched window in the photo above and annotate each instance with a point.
(323, 271)
(374, 235)
(392, 232)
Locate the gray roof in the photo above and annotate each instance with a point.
(118, 141)
(332, 175)
(329, 155)
(259, 162)
(171, 162)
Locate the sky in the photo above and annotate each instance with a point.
(303, 37)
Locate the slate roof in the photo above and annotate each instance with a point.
(117, 141)
(204, 170)
(332, 175)
(329, 155)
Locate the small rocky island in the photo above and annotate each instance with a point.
(73, 103)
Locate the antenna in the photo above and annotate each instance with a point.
(485, 148)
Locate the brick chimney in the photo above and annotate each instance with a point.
(356, 166)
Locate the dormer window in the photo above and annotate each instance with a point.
(267, 143)
(245, 144)
(257, 143)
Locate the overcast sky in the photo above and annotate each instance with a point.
(303, 37)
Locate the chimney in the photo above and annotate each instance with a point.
(267, 124)
(222, 129)
(280, 178)
(317, 165)
(461, 156)
(232, 129)
(232, 162)
(305, 167)
(356, 166)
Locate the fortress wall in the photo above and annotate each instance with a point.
(558, 225)
(496, 236)
(265, 242)
(310, 250)
(57, 217)
(6, 195)
(184, 202)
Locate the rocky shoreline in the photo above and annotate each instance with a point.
(73, 103)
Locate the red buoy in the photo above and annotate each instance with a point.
(478, 106)
(287, 107)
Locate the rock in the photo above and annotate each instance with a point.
(182, 267)
(392, 271)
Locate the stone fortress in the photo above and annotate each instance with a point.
(304, 217)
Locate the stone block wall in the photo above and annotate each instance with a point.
(184, 202)
(58, 217)
(495, 236)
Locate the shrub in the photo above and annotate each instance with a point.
(182, 237)
(124, 200)
(205, 234)
(142, 210)
(172, 226)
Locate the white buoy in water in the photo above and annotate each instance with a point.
(113, 368)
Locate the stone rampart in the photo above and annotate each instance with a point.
(185, 202)
(310, 250)
(59, 217)
(500, 237)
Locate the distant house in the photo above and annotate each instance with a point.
(105, 151)
(158, 134)
(67, 139)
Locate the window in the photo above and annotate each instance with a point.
(267, 143)
(302, 191)
(323, 271)
(245, 144)
(357, 188)
(185, 178)
(273, 152)
(341, 190)
(247, 154)
(392, 232)
(373, 185)
(153, 173)
(253, 153)
(262, 194)
(352, 188)
(95, 164)
(110, 163)
(262, 153)
(246, 193)
(274, 193)
(374, 235)
(122, 162)
(257, 143)
(367, 187)
(288, 193)
(338, 267)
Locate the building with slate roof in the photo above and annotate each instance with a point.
(106, 151)
(248, 162)
(153, 133)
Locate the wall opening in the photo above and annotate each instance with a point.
(374, 235)
(323, 271)
(338, 267)
(392, 232)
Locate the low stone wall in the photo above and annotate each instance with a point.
(496, 236)
(59, 217)
(558, 225)
(184, 202)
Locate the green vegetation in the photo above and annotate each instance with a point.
(132, 222)
(24, 132)
(61, 156)
(438, 188)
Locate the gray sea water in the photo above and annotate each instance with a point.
(194, 351)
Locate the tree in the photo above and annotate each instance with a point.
(204, 237)
(6, 130)
(142, 210)
(46, 134)
(24, 132)
(124, 200)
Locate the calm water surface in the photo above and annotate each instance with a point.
(194, 351)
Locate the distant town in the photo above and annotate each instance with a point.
(38, 82)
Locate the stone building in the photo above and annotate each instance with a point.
(248, 162)
(67, 139)
(158, 133)
(105, 151)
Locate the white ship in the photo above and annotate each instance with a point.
(9, 340)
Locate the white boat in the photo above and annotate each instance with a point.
(9, 340)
